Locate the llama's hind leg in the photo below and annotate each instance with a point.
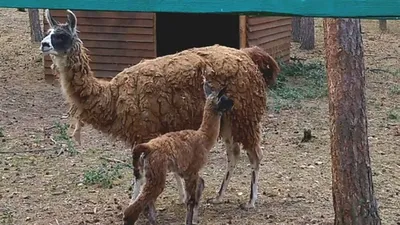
(233, 154)
(255, 159)
(179, 185)
(151, 213)
(137, 181)
(153, 187)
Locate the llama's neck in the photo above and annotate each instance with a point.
(81, 87)
(210, 126)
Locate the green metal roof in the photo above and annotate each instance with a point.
(314, 8)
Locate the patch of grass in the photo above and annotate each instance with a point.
(64, 139)
(394, 115)
(299, 81)
(7, 217)
(395, 89)
(104, 175)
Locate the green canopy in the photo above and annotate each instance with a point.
(314, 8)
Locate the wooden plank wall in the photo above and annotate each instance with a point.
(116, 40)
(272, 34)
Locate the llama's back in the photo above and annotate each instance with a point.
(183, 146)
(165, 94)
(161, 95)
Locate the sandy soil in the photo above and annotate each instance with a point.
(295, 185)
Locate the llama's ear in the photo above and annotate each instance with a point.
(71, 20)
(52, 22)
(207, 89)
(221, 92)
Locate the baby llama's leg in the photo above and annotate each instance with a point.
(233, 154)
(199, 192)
(194, 187)
(255, 157)
(138, 180)
(151, 213)
(153, 187)
(179, 183)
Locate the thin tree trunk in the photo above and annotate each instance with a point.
(307, 33)
(34, 21)
(296, 29)
(383, 25)
(352, 187)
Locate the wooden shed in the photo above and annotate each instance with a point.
(117, 40)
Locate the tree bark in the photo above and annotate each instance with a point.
(34, 21)
(383, 25)
(307, 33)
(296, 29)
(352, 187)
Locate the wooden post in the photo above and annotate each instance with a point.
(307, 33)
(296, 29)
(34, 21)
(243, 31)
(352, 187)
(383, 25)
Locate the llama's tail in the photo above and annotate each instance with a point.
(266, 63)
(136, 163)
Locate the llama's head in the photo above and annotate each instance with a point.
(61, 36)
(217, 100)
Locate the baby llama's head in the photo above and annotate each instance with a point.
(61, 37)
(218, 101)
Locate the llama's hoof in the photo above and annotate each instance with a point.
(247, 206)
(214, 200)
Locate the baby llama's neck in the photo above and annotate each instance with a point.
(82, 88)
(210, 126)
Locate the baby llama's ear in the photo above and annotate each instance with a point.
(207, 88)
(52, 22)
(71, 20)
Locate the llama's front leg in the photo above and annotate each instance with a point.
(199, 192)
(233, 154)
(77, 131)
(194, 188)
(255, 159)
(179, 185)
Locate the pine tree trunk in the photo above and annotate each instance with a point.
(296, 29)
(307, 33)
(352, 187)
(34, 21)
(383, 25)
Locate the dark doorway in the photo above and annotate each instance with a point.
(180, 31)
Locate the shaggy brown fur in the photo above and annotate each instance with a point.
(72, 112)
(164, 94)
(184, 152)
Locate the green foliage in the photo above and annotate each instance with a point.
(299, 81)
(64, 139)
(6, 217)
(104, 175)
(395, 89)
(394, 114)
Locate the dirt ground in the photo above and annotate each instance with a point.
(295, 182)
